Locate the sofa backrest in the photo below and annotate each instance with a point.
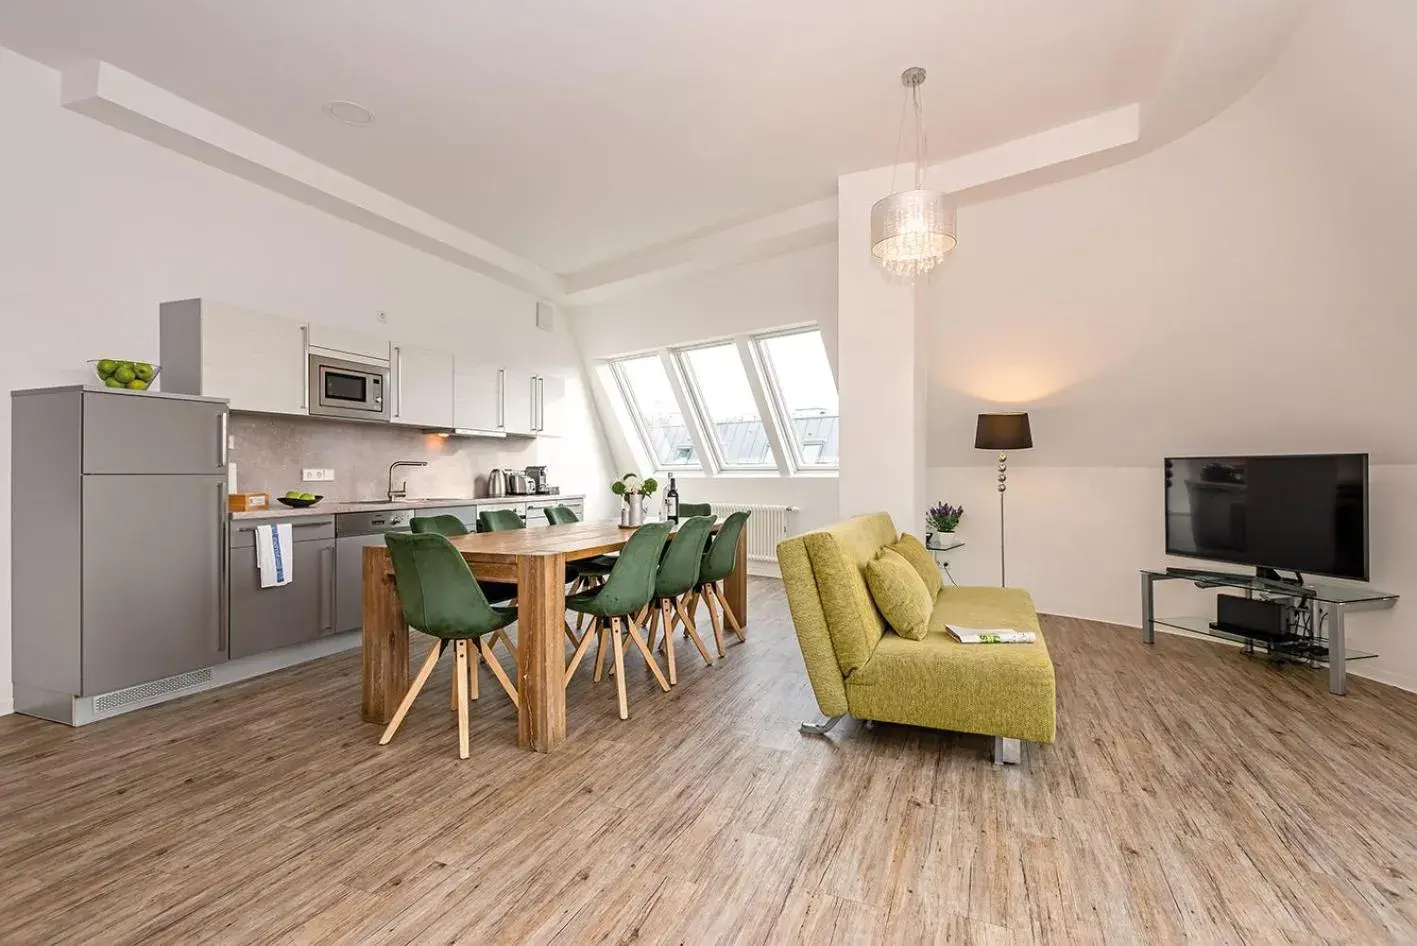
(839, 554)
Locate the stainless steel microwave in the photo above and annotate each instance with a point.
(348, 389)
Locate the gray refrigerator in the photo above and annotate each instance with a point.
(119, 548)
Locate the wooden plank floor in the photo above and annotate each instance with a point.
(1193, 796)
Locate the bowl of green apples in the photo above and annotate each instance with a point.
(298, 500)
(117, 373)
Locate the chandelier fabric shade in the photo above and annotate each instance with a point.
(912, 230)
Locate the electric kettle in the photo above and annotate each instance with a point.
(496, 484)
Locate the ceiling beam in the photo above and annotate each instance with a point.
(117, 98)
(815, 223)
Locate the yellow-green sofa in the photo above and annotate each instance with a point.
(859, 666)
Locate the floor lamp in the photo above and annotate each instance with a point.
(1003, 432)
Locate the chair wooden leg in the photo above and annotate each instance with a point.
(649, 657)
(727, 611)
(424, 673)
(506, 640)
(472, 674)
(601, 648)
(693, 632)
(619, 645)
(461, 674)
(653, 630)
(661, 614)
(581, 648)
(713, 616)
(571, 634)
(496, 667)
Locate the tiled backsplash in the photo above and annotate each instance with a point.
(271, 452)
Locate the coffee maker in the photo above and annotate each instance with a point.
(539, 482)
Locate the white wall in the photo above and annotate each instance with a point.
(793, 288)
(1247, 288)
(97, 228)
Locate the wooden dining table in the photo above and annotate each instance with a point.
(535, 559)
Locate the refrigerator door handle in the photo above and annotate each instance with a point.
(221, 450)
(223, 566)
(327, 588)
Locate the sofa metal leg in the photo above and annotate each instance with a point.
(1007, 751)
(823, 726)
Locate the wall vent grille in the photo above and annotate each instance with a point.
(143, 692)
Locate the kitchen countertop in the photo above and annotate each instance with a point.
(279, 511)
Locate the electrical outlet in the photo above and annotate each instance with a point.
(310, 476)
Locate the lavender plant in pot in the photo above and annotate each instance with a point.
(941, 520)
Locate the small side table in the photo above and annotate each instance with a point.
(1327, 603)
(941, 557)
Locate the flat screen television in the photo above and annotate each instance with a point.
(1302, 513)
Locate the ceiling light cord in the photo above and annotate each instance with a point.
(922, 144)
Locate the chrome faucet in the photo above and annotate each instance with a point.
(402, 491)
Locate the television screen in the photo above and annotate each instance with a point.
(1299, 513)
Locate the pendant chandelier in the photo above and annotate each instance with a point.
(912, 230)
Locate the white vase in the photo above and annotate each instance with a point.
(942, 540)
(637, 509)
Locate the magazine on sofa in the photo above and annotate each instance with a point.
(990, 635)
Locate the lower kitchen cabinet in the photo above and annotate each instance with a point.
(266, 619)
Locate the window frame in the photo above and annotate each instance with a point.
(697, 403)
(637, 416)
(773, 386)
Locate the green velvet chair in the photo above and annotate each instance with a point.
(718, 563)
(678, 575)
(499, 520)
(441, 598)
(561, 515)
(690, 510)
(583, 575)
(616, 608)
(452, 527)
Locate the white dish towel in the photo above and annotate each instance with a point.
(275, 555)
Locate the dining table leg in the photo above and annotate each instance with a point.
(385, 648)
(541, 649)
(735, 586)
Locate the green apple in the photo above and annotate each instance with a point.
(138, 384)
(144, 371)
(106, 367)
(293, 494)
(124, 373)
(308, 497)
(112, 382)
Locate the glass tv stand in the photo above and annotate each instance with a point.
(1320, 607)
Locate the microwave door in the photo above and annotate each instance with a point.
(344, 389)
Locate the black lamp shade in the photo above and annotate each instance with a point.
(1003, 432)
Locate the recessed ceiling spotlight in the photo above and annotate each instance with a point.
(349, 113)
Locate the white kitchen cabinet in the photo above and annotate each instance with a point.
(352, 346)
(477, 396)
(422, 380)
(256, 361)
(518, 394)
(550, 405)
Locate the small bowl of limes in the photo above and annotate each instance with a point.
(298, 500)
(117, 373)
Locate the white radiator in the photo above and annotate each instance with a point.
(766, 526)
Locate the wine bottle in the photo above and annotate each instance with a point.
(671, 502)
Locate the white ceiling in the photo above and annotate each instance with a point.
(578, 131)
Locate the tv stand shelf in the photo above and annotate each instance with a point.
(1326, 602)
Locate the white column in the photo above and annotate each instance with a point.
(882, 339)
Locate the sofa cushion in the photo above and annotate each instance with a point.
(996, 689)
(839, 555)
(900, 595)
(914, 551)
